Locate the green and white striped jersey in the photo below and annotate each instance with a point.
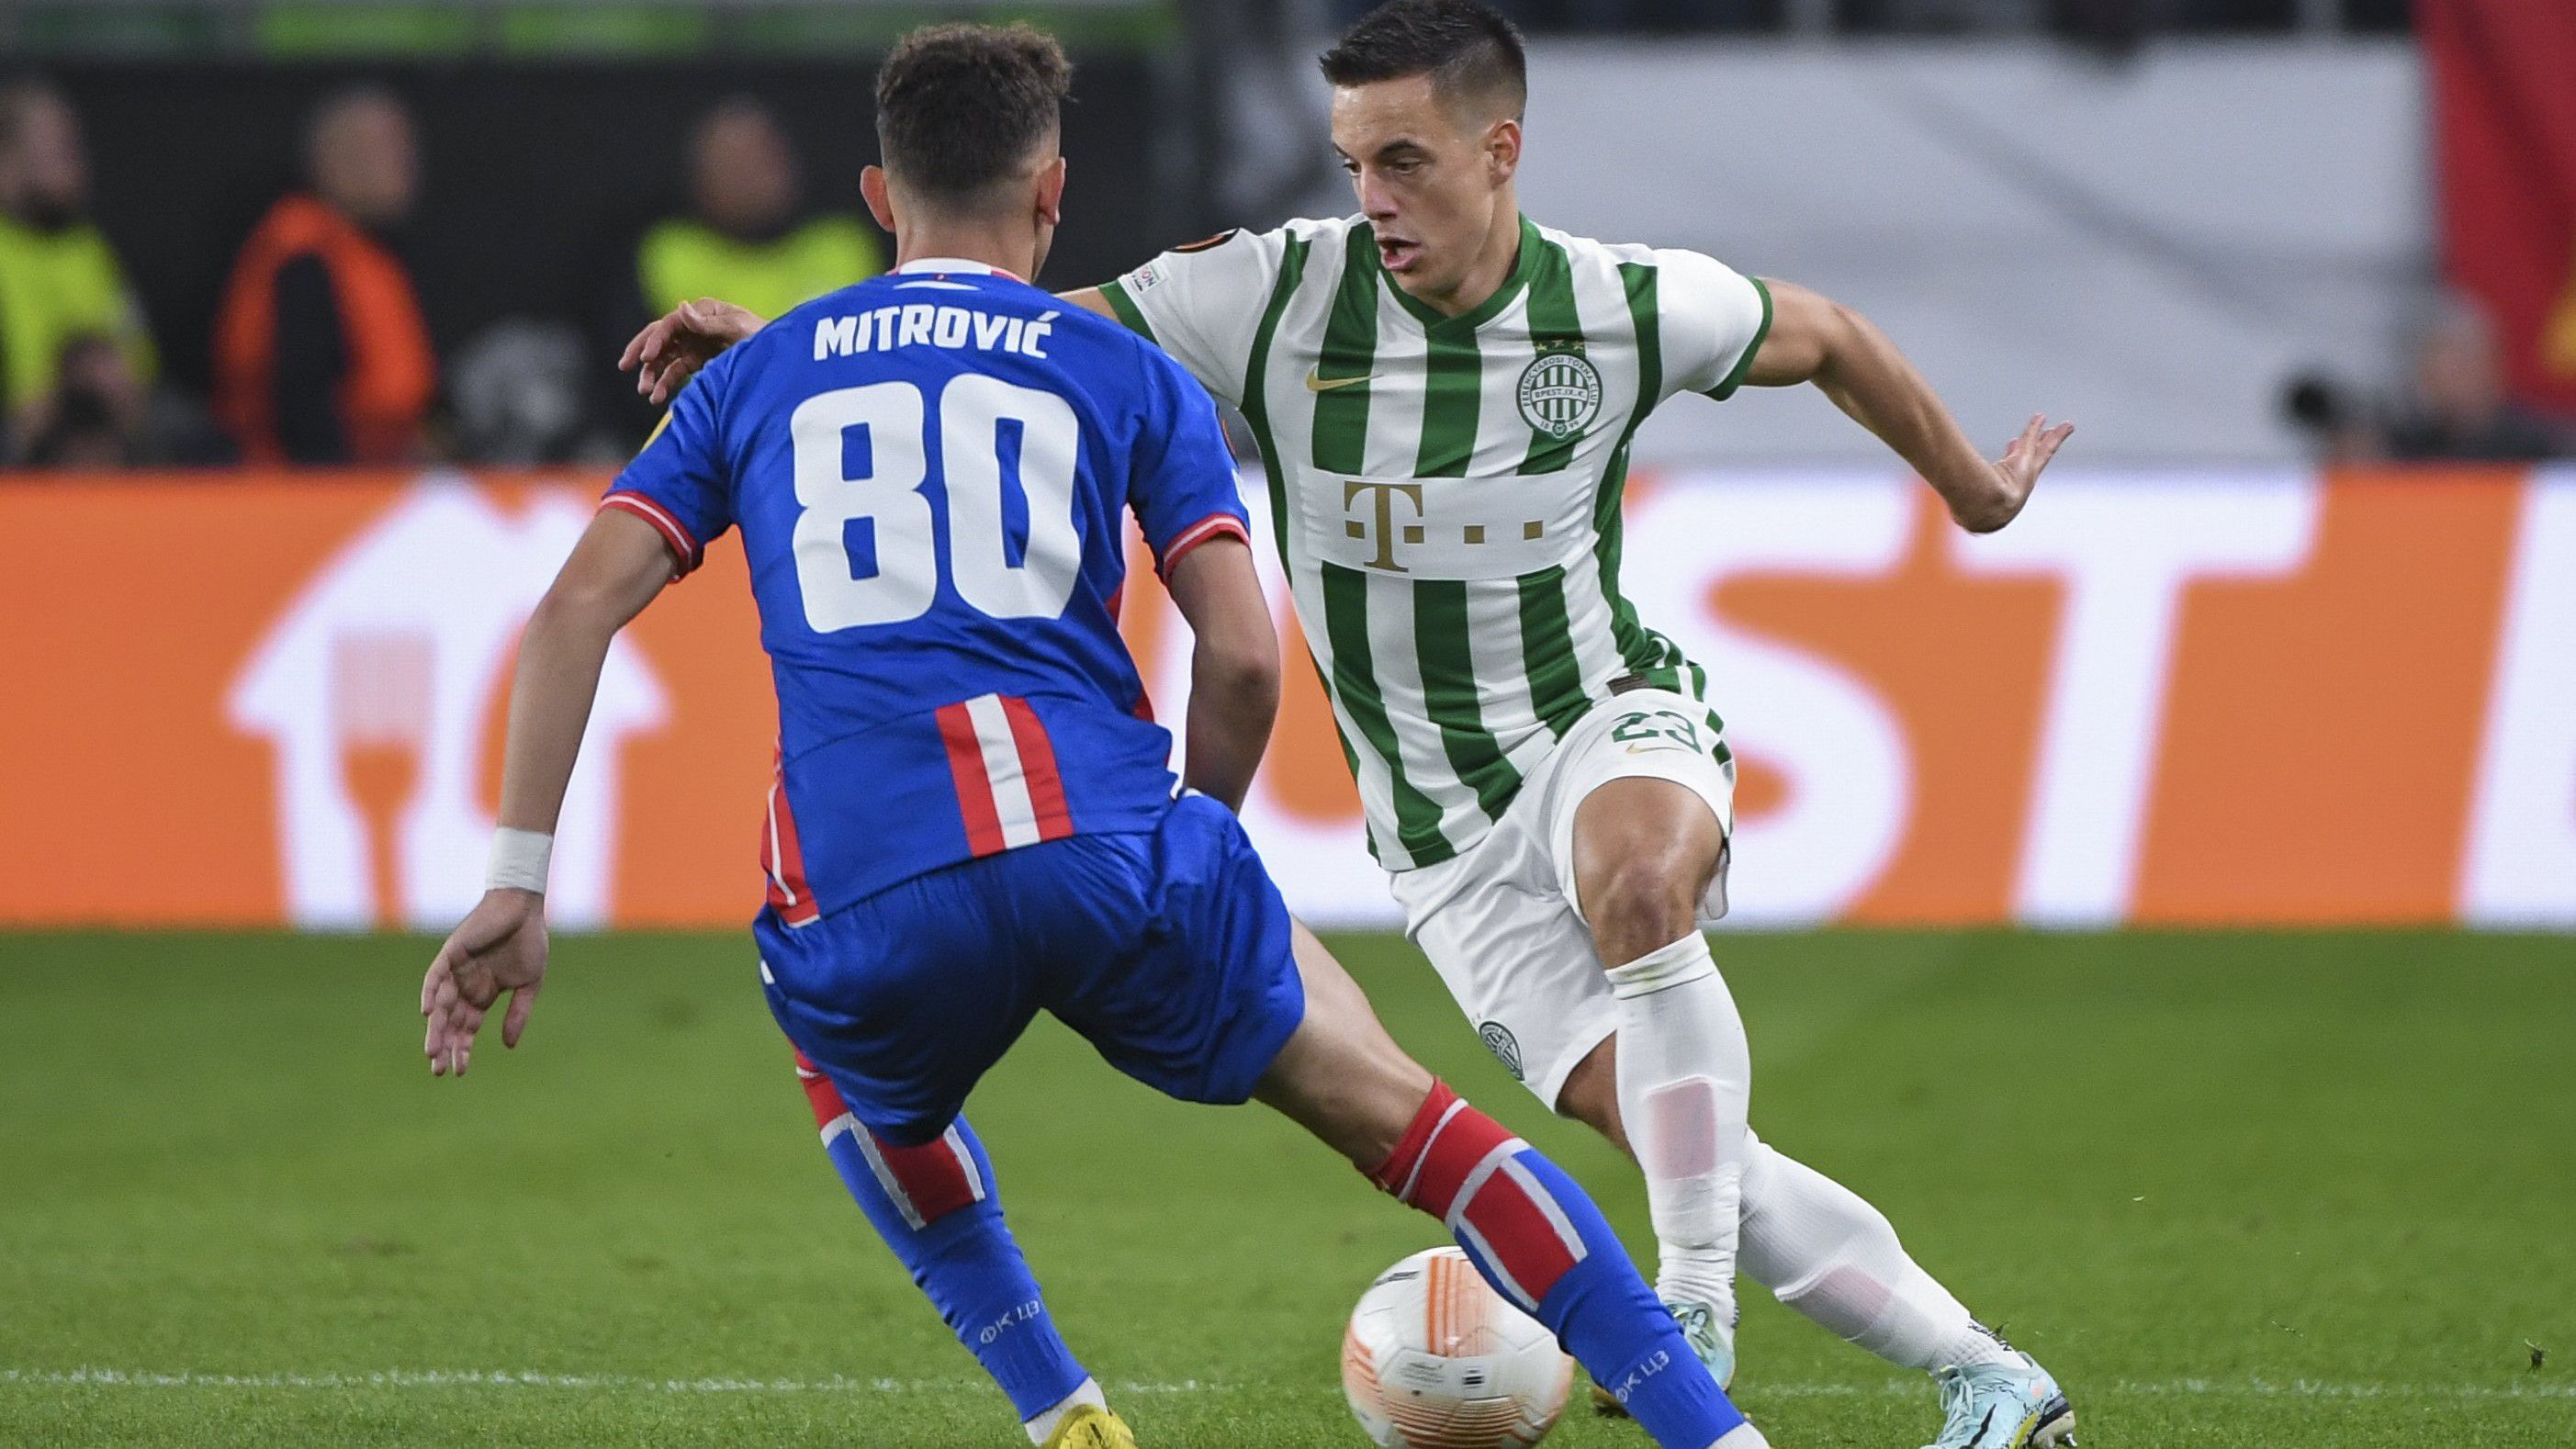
(1445, 490)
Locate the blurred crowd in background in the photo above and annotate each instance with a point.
(321, 352)
(319, 347)
(2112, 20)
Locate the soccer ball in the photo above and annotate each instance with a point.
(1436, 1359)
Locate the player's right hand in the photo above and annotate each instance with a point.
(500, 947)
(671, 349)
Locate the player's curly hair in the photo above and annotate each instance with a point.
(1470, 52)
(960, 106)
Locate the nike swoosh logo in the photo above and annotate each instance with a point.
(1316, 383)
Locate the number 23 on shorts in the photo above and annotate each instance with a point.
(1652, 727)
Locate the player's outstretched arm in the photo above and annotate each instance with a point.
(1234, 667)
(616, 569)
(1816, 339)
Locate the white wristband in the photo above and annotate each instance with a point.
(519, 860)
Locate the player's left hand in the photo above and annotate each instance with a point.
(501, 946)
(2028, 453)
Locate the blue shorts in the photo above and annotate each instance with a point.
(1169, 950)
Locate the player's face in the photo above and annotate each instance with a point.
(1429, 181)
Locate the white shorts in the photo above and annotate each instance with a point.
(1501, 922)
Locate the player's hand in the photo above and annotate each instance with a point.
(1997, 498)
(671, 349)
(2025, 455)
(500, 947)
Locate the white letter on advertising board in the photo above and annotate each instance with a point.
(2521, 861)
(2125, 549)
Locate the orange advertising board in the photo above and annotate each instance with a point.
(2252, 699)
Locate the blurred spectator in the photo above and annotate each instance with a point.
(2453, 410)
(321, 355)
(103, 416)
(742, 239)
(742, 235)
(59, 279)
(2458, 410)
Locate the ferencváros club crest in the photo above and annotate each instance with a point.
(1560, 393)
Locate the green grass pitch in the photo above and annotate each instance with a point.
(2236, 1190)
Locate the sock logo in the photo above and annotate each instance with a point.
(1506, 1048)
(1028, 1312)
(1654, 1364)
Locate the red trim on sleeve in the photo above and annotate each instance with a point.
(683, 544)
(1215, 525)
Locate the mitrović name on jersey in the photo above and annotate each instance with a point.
(922, 324)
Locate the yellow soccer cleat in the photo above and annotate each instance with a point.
(1088, 1426)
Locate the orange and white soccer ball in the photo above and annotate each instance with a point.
(1436, 1359)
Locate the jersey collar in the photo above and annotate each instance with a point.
(1440, 323)
(958, 266)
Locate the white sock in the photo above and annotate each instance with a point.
(1826, 1253)
(1044, 1424)
(1685, 1079)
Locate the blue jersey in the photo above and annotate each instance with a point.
(930, 471)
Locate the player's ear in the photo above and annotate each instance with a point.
(880, 199)
(1051, 192)
(1503, 150)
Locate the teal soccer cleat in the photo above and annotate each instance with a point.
(2011, 1404)
(1711, 1338)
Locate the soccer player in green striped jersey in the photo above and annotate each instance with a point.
(1444, 394)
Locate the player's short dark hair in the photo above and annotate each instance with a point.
(961, 107)
(1470, 52)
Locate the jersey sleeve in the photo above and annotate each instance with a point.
(1203, 303)
(1182, 483)
(678, 482)
(1711, 322)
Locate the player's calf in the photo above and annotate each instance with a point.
(936, 1206)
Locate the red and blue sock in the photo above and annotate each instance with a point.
(1540, 1241)
(936, 1206)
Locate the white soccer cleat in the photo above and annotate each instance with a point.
(2009, 1404)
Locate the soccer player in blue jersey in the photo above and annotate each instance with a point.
(973, 819)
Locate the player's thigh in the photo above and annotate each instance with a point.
(1203, 989)
(905, 999)
(1507, 944)
(1645, 785)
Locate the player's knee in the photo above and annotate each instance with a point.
(1645, 899)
